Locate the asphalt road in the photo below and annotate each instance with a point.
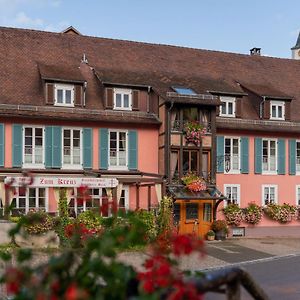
(278, 276)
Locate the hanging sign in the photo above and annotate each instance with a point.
(39, 181)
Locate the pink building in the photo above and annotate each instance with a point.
(69, 122)
(113, 115)
(258, 148)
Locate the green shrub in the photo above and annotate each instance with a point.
(14, 219)
(164, 218)
(90, 219)
(63, 219)
(148, 219)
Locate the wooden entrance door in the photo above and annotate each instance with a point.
(194, 216)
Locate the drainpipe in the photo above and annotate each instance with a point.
(148, 102)
(168, 139)
(261, 107)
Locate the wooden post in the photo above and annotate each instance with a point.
(149, 197)
(137, 196)
(6, 204)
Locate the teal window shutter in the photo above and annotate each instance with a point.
(292, 157)
(17, 147)
(220, 154)
(258, 156)
(87, 148)
(48, 146)
(132, 150)
(2, 142)
(103, 151)
(244, 155)
(56, 146)
(281, 157)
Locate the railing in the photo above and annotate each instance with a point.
(196, 96)
(229, 282)
(179, 125)
(203, 174)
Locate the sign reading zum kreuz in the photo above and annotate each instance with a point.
(38, 181)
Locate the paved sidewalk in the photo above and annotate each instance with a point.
(230, 251)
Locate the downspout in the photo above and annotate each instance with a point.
(261, 107)
(148, 102)
(169, 139)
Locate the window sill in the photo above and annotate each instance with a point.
(277, 119)
(269, 173)
(227, 116)
(233, 172)
(72, 167)
(120, 108)
(33, 166)
(117, 168)
(64, 105)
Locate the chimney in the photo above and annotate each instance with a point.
(255, 51)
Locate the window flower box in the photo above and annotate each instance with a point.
(194, 183)
(194, 133)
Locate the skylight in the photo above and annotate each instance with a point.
(184, 91)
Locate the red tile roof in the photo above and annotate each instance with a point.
(161, 66)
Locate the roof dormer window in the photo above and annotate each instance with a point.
(227, 108)
(122, 99)
(64, 95)
(277, 110)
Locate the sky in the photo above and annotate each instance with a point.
(223, 25)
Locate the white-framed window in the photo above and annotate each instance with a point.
(277, 109)
(27, 199)
(232, 154)
(297, 194)
(124, 199)
(118, 144)
(80, 203)
(298, 157)
(64, 95)
(72, 148)
(227, 108)
(269, 159)
(233, 192)
(269, 194)
(33, 147)
(122, 99)
(95, 198)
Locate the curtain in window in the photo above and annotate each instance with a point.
(2, 194)
(173, 117)
(119, 191)
(69, 194)
(173, 163)
(158, 191)
(56, 196)
(109, 193)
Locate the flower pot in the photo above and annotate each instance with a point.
(210, 237)
(221, 235)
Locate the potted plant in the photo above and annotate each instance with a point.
(210, 235)
(220, 228)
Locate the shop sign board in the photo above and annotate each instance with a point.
(63, 181)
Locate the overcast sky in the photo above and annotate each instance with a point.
(225, 25)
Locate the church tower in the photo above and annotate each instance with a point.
(296, 49)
